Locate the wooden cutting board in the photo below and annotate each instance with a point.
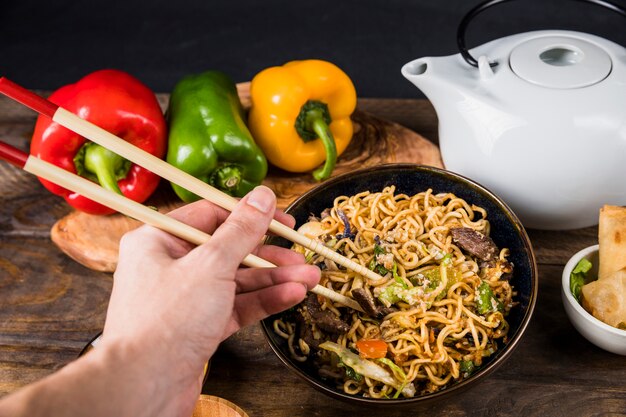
(93, 241)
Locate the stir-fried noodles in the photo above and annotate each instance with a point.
(438, 311)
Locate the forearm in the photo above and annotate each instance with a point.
(107, 382)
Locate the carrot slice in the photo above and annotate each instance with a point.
(372, 348)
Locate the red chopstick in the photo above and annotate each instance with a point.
(13, 155)
(27, 98)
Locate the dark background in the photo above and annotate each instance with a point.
(45, 44)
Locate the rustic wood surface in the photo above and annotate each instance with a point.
(51, 306)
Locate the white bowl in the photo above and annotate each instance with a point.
(600, 334)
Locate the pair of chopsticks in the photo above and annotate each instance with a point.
(148, 161)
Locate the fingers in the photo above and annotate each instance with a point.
(255, 306)
(241, 232)
(284, 218)
(254, 279)
(201, 214)
(278, 256)
(147, 239)
(206, 216)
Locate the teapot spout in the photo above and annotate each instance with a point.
(433, 78)
(417, 72)
(412, 70)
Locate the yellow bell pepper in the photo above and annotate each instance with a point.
(300, 115)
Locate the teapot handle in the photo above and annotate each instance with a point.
(460, 34)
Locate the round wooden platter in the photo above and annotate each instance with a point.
(211, 406)
(93, 241)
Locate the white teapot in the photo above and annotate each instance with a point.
(540, 121)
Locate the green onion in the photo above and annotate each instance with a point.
(484, 302)
(467, 367)
(397, 277)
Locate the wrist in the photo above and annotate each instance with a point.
(110, 380)
(155, 367)
(123, 375)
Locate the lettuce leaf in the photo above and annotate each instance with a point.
(577, 278)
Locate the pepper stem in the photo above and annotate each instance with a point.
(226, 178)
(312, 123)
(95, 162)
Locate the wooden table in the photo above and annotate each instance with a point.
(50, 307)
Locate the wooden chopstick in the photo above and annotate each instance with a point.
(136, 210)
(193, 184)
(164, 170)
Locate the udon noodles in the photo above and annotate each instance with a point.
(438, 311)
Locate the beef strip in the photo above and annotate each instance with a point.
(367, 302)
(324, 319)
(383, 311)
(474, 243)
(306, 333)
(487, 264)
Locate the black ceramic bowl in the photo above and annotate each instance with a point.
(506, 231)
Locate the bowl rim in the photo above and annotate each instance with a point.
(457, 387)
(565, 287)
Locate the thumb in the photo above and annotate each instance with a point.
(242, 231)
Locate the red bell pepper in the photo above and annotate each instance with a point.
(120, 104)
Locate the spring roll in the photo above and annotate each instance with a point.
(612, 240)
(605, 299)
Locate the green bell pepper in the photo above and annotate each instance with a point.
(486, 301)
(208, 137)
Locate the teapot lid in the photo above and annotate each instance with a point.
(560, 62)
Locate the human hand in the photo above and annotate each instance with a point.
(179, 301)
